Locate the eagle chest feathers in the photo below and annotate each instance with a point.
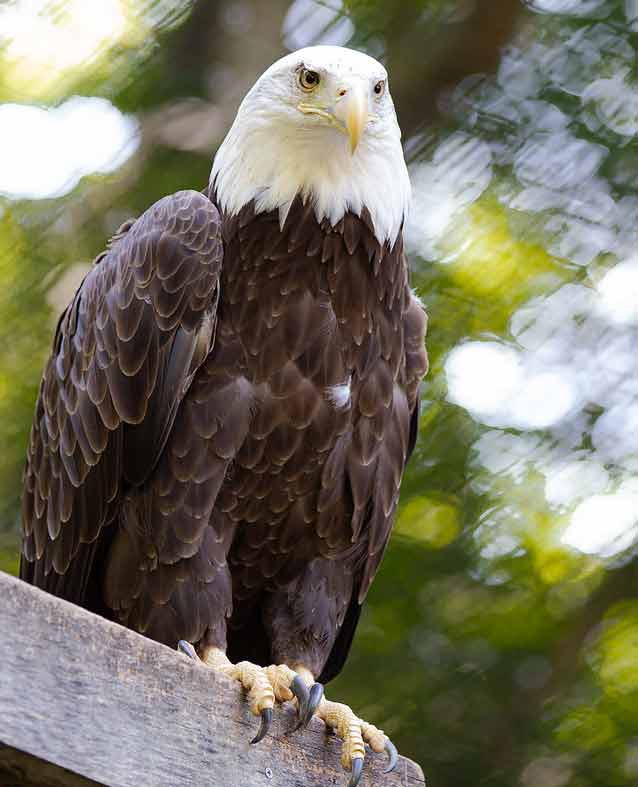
(304, 399)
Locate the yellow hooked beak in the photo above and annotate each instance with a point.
(348, 113)
(352, 110)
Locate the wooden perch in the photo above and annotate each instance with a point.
(85, 701)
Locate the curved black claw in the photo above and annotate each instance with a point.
(266, 721)
(188, 649)
(357, 770)
(393, 755)
(315, 695)
(300, 690)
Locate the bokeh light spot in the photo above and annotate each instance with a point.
(434, 523)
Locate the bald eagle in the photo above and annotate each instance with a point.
(231, 398)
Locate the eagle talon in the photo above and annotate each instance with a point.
(300, 690)
(357, 770)
(314, 700)
(266, 721)
(188, 650)
(393, 755)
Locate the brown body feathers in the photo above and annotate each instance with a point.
(222, 429)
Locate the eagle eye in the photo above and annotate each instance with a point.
(379, 88)
(308, 80)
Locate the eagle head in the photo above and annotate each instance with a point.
(320, 124)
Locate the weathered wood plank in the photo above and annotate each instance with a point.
(106, 704)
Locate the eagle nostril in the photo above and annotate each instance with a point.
(341, 92)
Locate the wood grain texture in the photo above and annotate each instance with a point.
(106, 704)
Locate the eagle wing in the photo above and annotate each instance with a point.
(374, 481)
(124, 354)
(400, 440)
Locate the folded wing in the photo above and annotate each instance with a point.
(124, 354)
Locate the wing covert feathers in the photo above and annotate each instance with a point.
(124, 354)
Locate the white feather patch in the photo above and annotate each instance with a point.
(340, 395)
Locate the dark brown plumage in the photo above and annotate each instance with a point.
(222, 429)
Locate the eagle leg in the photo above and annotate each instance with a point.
(264, 685)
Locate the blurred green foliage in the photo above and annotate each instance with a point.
(499, 645)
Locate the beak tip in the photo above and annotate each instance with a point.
(355, 131)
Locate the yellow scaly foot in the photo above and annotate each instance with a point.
(264, 685)
(353, 731)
